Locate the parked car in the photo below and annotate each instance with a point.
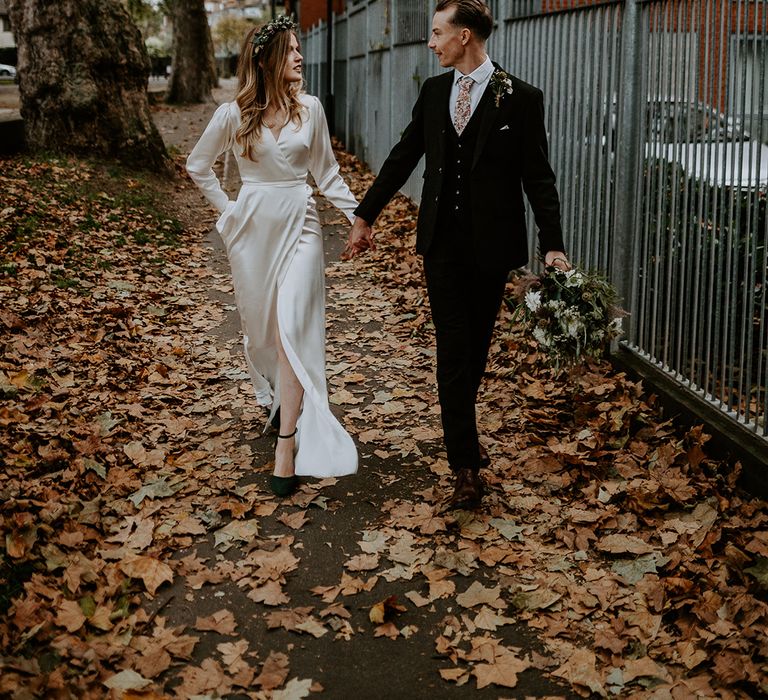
(695, 136)
(708, 146)
(7, 71)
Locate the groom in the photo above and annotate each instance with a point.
(482, 132)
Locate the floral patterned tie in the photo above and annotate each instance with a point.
(463, 110)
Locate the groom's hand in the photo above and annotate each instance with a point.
(558, 259)
(360, 239)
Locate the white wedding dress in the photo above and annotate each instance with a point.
(275, 248)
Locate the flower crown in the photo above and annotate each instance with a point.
(283, 23)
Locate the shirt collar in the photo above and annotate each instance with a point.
(479, 75)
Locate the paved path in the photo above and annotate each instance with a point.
(356, 664)
(611, 555)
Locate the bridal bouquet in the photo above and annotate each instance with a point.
(573, 314)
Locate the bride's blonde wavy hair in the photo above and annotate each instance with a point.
(261, 83)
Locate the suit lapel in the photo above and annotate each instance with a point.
(487, 113)
(441, 99)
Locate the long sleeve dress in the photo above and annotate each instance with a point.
(274, 244)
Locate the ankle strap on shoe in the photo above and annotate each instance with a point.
(285, 437)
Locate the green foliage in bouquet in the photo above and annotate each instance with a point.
(572, 315)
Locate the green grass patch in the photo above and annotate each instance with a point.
(10, 269)
(73, 213)
(65, 282)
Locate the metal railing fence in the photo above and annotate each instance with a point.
(657, 113)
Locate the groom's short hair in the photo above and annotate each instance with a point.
(475, 15)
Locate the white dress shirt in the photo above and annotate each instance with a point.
(481, 75)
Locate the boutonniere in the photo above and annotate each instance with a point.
(501, 84)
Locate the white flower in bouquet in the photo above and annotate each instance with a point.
(571, 323)
(542, 337)
(533, 301)
(555, 305)
(571, 314)
(573, 278)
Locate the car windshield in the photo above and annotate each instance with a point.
(681, 122)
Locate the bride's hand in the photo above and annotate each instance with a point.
(360, 239)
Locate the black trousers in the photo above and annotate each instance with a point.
(465, 299)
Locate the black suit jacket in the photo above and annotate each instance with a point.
(511, 155)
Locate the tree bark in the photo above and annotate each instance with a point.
(83, 73)
(193, 73)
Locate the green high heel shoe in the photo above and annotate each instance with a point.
(283, 486)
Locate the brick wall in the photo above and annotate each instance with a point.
(312, 11)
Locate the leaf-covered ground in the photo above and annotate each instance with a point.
(142, 555)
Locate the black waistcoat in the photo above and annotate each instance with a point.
(454, 219)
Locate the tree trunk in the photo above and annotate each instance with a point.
(83, 73)
(193, 74)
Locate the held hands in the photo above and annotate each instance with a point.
(360, 239)
(556, 258)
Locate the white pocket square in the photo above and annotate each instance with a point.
(506, 126)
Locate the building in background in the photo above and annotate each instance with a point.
(254, 10)
(726, 38)
(7, 42)
(311, 12)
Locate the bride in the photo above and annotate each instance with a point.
(275, 248)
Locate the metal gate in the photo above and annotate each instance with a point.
(657, 113)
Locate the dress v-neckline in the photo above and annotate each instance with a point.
(279, 133)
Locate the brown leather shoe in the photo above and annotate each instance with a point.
(468, 490)
(485, 460)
